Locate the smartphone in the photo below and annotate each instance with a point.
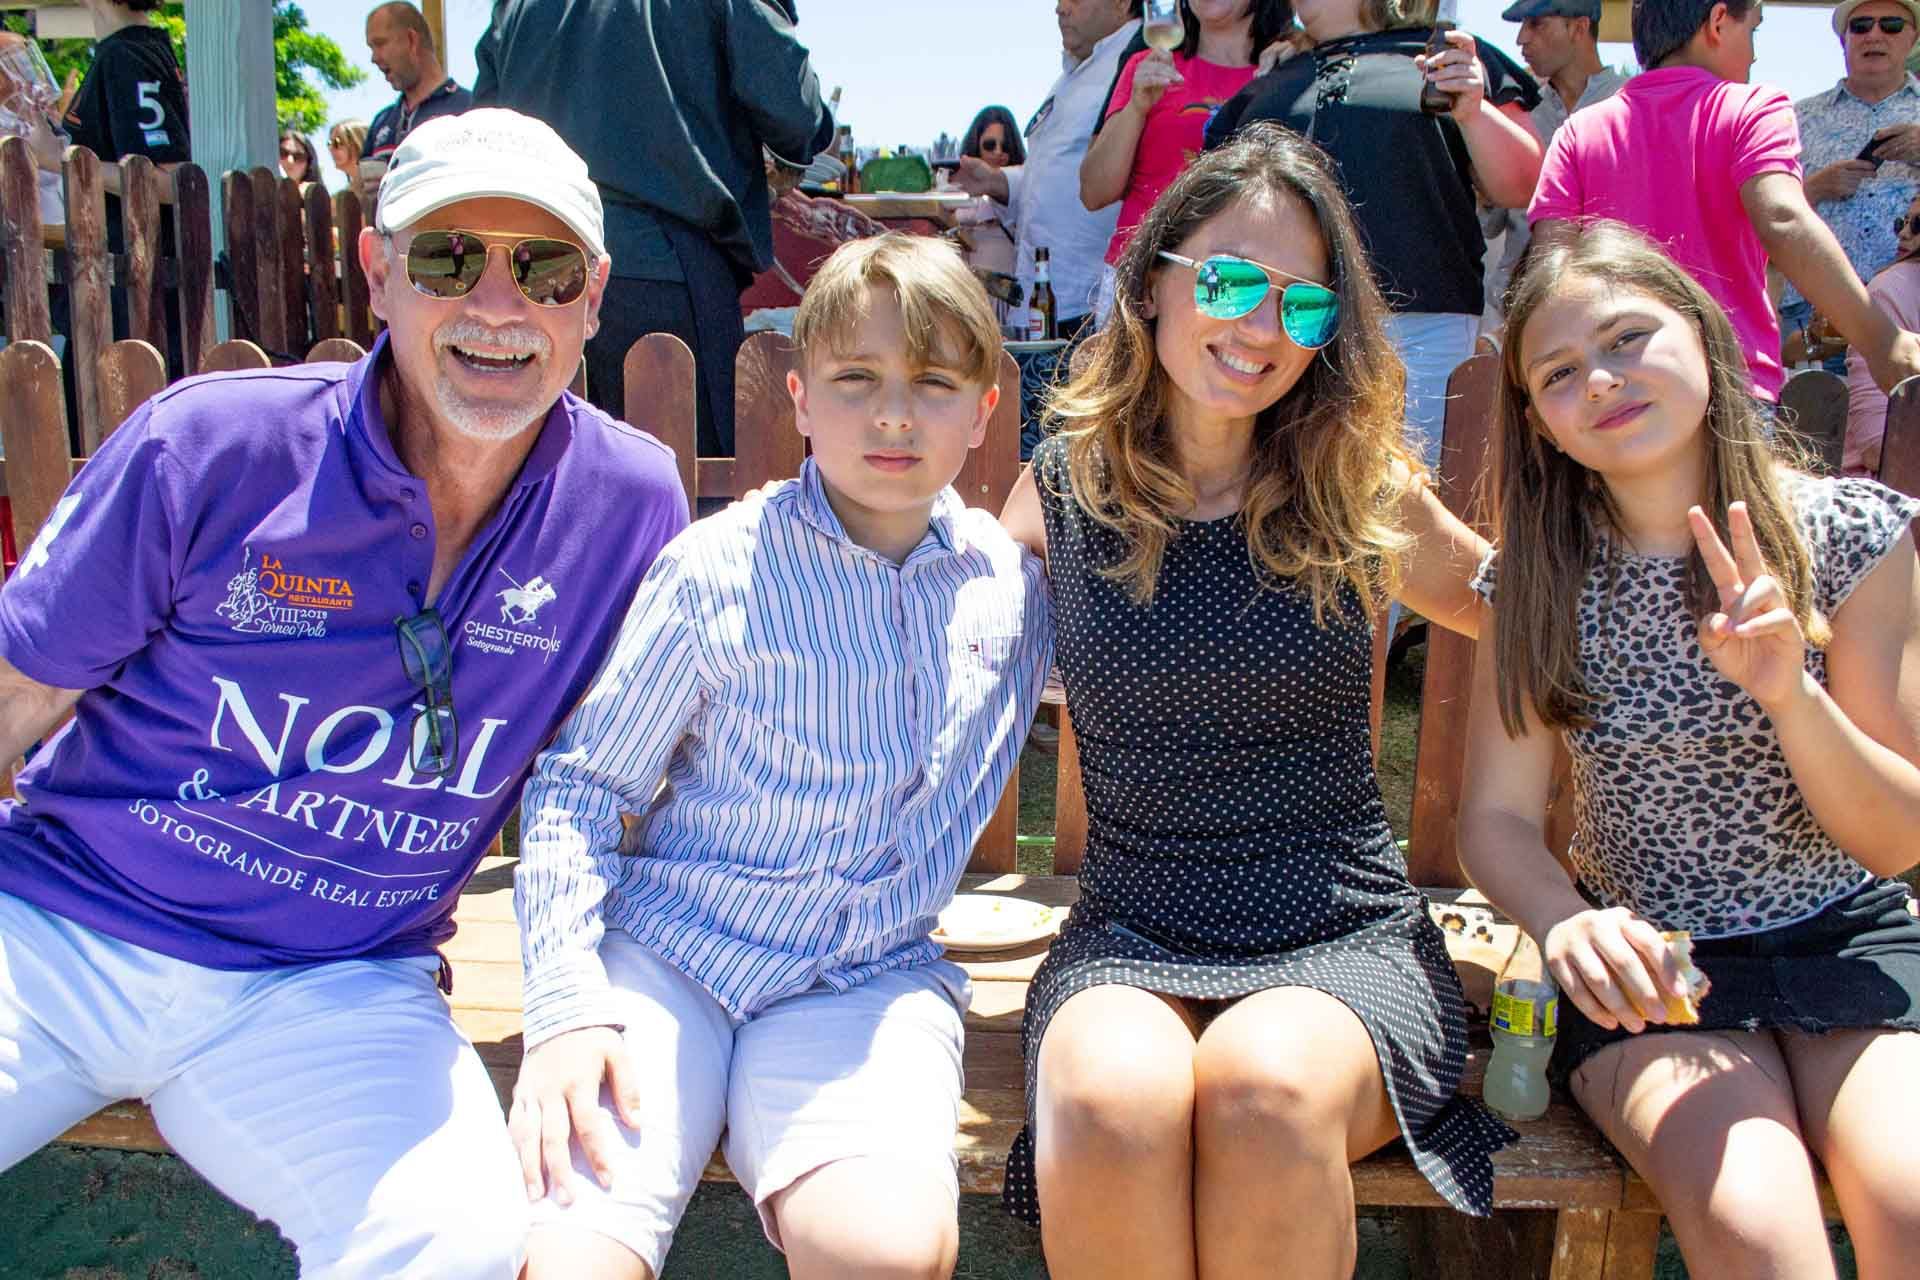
(1866, 152)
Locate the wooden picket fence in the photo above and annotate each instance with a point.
(291, 274)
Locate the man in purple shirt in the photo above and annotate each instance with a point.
(313, 624)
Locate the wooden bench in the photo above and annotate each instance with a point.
(1606, 1221)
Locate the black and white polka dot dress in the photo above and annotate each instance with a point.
(1236, 837)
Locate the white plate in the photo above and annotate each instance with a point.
(992, 921)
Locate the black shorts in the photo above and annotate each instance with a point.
(1856, 964)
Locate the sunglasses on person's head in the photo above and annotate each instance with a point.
(448, 264)
(1226, 288)
(1891, 24)
(433, 738)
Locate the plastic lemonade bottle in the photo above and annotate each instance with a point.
(1525, 1009)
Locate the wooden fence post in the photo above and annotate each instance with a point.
(243, 268)
(321, 269)
(293, 266)
(765, 444)
(1467, 442)
(269, 286)
(89, 298)
(33, 430)
(193, 262)
(131, 373)
(353, 281)
(140, 209)
(24, 285)
(661, 395)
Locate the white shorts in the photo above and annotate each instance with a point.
(815, 1078)
(337, 1100)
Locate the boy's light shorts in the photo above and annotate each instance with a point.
(812, 1079)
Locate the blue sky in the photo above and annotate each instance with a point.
(911, 68)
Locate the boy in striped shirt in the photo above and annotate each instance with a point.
(835, 683)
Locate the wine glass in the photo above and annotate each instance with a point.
(1161, 25)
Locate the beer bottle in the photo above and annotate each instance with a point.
(1040, 318)
(1434, 100)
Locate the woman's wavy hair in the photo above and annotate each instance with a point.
(1330, 462)
(1551, 512)
(1271, 20)
(988, 117)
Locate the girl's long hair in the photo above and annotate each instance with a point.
(1552, 512)
(1330, 463)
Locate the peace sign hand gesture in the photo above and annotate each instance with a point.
(1753, 640)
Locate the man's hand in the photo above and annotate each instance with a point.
(1837, 181)
(558, 1097)
(978, 178)
(1899, 143)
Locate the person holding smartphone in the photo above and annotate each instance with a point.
(1860, 143)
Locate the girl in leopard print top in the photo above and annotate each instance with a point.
(1731, 650)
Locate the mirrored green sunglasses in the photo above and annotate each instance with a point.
(1226, 288)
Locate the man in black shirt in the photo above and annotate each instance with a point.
(401, 43)
(671, 104)
(133, 101)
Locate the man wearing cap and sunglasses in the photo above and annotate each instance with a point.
(313, 624)
(1860, 141)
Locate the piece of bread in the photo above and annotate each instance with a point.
(1685, 1010)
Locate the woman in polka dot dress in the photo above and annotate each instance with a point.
(1250, 994)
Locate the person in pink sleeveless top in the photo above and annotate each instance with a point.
(1156, 119)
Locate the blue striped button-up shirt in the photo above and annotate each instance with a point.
(835, 730)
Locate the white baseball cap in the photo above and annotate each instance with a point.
(485, 152)
(1846, 8)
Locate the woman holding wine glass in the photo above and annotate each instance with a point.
(1200, 53)
(1410, 171)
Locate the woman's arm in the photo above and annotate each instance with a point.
(1608, 962)
(1445, 555)
(1109, 159)
(1022, 517)
(1501, 142)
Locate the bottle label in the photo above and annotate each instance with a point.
(1520, 1015)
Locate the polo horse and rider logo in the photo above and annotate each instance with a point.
(522, 602)
(245, 601)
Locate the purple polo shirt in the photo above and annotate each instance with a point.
(224, 578)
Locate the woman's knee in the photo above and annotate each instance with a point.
(1113, 1088)
(1299, 1076)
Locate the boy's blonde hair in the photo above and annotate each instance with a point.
(948, 319)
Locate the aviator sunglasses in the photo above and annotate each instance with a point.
(1891, 24)
(433, 739)
(448, 264)
(1226, 288)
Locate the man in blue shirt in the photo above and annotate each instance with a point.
(834, 683)
(401, 44)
